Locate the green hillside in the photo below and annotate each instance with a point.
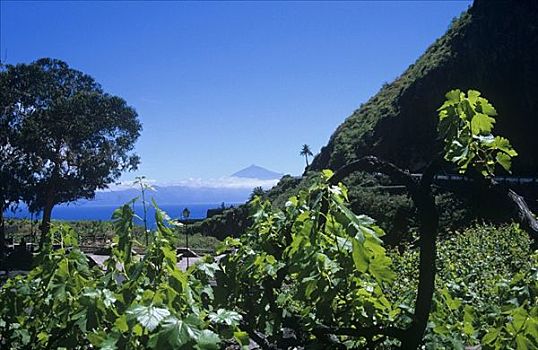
(493, 47)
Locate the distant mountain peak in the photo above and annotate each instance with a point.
(257, 172)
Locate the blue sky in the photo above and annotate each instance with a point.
(221, 85)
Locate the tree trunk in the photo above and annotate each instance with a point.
(525, 217)
(506, 200)
(2, 232)
(50, 194)
(428, 218)
(45, 222)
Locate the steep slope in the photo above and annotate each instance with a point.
(493, 48)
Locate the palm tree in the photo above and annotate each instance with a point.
(257, 192)
(305, 151)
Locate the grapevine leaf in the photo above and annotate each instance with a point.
(473, 96)
(503, 144)
(504, 160)
(482, 124)
(138, 330)
(453, 96)
(359, 256)
(42, 337)
(230, 318)
(519, 316)
(149, 316)
(208, 340)
(358, 224)
(521, 341)
(169, 254)
(108, 298)
(468, 319)
(486, 108)
(380, 268)
(296, 244)
(486, 140)
(242, 338)
(491, 336)
(177, 333)
(121, 323)
(109, 343)
(327, 173)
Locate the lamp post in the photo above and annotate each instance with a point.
(186, 213)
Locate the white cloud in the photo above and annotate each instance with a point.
(126, 185)
(227, 182)
(230, 182)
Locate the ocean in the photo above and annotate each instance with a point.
(76, 212)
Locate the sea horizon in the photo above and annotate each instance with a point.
(85, 212)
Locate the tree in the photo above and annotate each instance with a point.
(75, 137)
(305, 151)
(186, 213)
(257, 192)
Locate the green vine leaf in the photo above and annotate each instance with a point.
(175, 333)
(230, 318)
(208, 340)
(482, 124)
(148, 316)
(466, 125)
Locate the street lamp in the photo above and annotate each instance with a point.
(186, 213)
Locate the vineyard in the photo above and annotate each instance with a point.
(312, 274)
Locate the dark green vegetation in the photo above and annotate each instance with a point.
(88, 232)
(61, 137)
(228, 223)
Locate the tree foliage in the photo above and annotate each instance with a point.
(74, 137)
(257, 192)
(15, 173)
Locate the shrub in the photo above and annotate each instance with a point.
(486, 289)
